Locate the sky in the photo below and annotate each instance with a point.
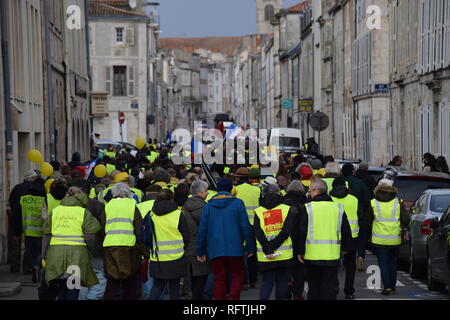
(202, 18)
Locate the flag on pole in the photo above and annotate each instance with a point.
(89, 168)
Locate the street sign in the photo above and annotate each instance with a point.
(306, 105)
(121, 118)
(381, 88)
(288, 104)
(319, 121)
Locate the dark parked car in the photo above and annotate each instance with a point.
(430, 205)
(438, 254)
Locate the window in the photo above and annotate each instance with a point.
(269, 12)
(444, 129)
(425, 126)
(439, 203)
(119, 35)
(120, 81)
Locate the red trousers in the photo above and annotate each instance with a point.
(222, 267)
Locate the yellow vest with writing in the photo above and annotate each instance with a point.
(271, 222)
(67, 226)
(32, 222)
(169, 244)
(323, 240)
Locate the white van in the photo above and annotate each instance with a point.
(289, 140)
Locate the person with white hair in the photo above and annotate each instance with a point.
(389, 219)
(325, 233)
(273, 228)
(192, 210)
(122, 250)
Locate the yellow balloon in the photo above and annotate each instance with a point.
(46, 169)
(48, 184)
(35, 156)
(140, 143)
(100, 171)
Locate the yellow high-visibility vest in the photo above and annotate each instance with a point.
(350, 204)
(32, 222)
(145, 207)
(271, 222)
(111, 155)
(119, 223)
(250, 196)
(386, 227)
(67, 226)
(323, 241)
(52, 203)
(110, 168)
(169, 245)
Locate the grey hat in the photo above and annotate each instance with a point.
(30, 174)
(316, 164)
(363, 164)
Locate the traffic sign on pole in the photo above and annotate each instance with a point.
(319, 121)
(121, 118)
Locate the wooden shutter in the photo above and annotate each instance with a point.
(108, 80)
(130, 36)
(131, 81)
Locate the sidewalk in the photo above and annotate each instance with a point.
(9, 281)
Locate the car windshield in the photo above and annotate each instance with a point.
(289, 142)
(439, 202)
(410, 188)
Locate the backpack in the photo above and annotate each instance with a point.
(147, 235)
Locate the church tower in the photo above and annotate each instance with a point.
(265, 10)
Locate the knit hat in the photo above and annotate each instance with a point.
(30, 174)
(255, 173)
(316, 164)
(347, 169)
(306, 172)
(386, 182)
(269, 180)
(224, 185)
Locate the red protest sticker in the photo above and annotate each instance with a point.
(273, 220)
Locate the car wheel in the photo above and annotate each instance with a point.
(416, 270)
(433, 285)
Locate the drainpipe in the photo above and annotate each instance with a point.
(7, 95)
(51, 119)
(88, 66)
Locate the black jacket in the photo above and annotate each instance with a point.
(386, 194)
(347, 244)
(297, 200)
(368, 180)
(269, 247)
(170, 269)
(22, 189)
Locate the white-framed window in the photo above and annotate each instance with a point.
(425, 125)
(444, 129)
(120, 35)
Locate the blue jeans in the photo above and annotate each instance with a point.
(95, 292)
(387, 261)
(209, 287)
(278, 277)
(147, 287)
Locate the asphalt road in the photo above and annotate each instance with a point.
(407, 288)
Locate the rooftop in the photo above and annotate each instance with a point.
(226, 45)
(299, 7)
(112, 8)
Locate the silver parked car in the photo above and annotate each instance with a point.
(430, 205)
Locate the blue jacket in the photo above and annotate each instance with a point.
(224, 227)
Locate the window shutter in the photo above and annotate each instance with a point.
(130, 36)
(108, 79)
(131, 81)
